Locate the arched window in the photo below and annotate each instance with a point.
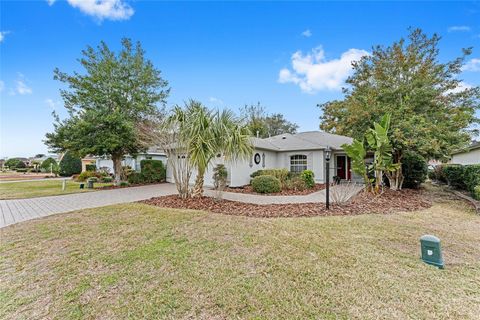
(298, 163)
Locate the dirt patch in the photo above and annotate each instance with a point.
(387, 202)
(249, 190)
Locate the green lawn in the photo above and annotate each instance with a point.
(137, 261)
(31, 189)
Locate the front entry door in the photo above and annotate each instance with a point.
(342, 167)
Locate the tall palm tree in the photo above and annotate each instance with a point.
(208, 134)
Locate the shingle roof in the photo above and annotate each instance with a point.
(475, 145)
(310, 140)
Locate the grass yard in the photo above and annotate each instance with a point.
(139, 261)
(31, 189)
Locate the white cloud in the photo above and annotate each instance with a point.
(50, 2)
(462, 86)
(21, 85)
(215, 100)
(313, 72)
(307, 33)
(51, 104)
(459, 28)
(104, 9)
(472, 65)
(3, 34)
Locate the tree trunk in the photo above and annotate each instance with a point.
(198, 187)
(117, 169)
(396, 177)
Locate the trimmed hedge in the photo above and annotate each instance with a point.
(90, 167)
(476, 192)
(281, 174)
(153, 170)
(414, 169)
(70, 164)
(135, 178)
(462, 177)
(266, 184)
(307, 176)
(85, 175)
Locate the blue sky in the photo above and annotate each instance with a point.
(288, 56)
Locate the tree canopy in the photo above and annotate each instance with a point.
(110, 105)
(432, 113)
(266, 125)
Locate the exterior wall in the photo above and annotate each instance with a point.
(315, 162)
(134, 163)
(472, 157)
(239, 172)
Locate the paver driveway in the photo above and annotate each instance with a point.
(13, 211)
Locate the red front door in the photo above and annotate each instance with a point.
(341, 167)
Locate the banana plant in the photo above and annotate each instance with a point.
(357, 152)
(378, 141)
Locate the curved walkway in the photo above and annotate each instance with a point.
(317, 197)
(18, 210)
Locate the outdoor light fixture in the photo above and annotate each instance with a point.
(328, 154)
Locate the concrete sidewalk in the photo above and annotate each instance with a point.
(18, 210)
(316, 197)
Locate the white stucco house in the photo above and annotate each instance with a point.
(152, 153)
(470, 155)
(295, 152)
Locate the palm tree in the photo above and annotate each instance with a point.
(207, 134)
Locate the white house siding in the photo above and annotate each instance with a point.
(134, 163)
(240, 171)
(472, 157)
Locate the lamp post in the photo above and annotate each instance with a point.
(328, 153)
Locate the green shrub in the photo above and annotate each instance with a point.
(107, 179)
(136, 178)
(476, 192)
(153, 170)
(123, 184)
(454, 175)
(48, 164)
(307, 177)
(70, 164)
(90, 167)
(84, 176)
(471, 176)
(15, 163)
(295, 183)
(281, 174)
(21, 170)
(414, 169)
(266, 184)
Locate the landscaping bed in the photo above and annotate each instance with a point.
(387, 202)
(286, 192)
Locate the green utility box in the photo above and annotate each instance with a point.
(431, 251)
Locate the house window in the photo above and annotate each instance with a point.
(298, 163)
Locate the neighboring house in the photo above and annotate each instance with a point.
(295, 152)
(133, 162)
(470, 155)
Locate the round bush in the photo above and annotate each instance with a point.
(308, 178)
(266, 184)
(48, 164)
(70, 165)
(414, 169)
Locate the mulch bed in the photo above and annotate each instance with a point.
(123, 187)
(249, 190)
(387, 202)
